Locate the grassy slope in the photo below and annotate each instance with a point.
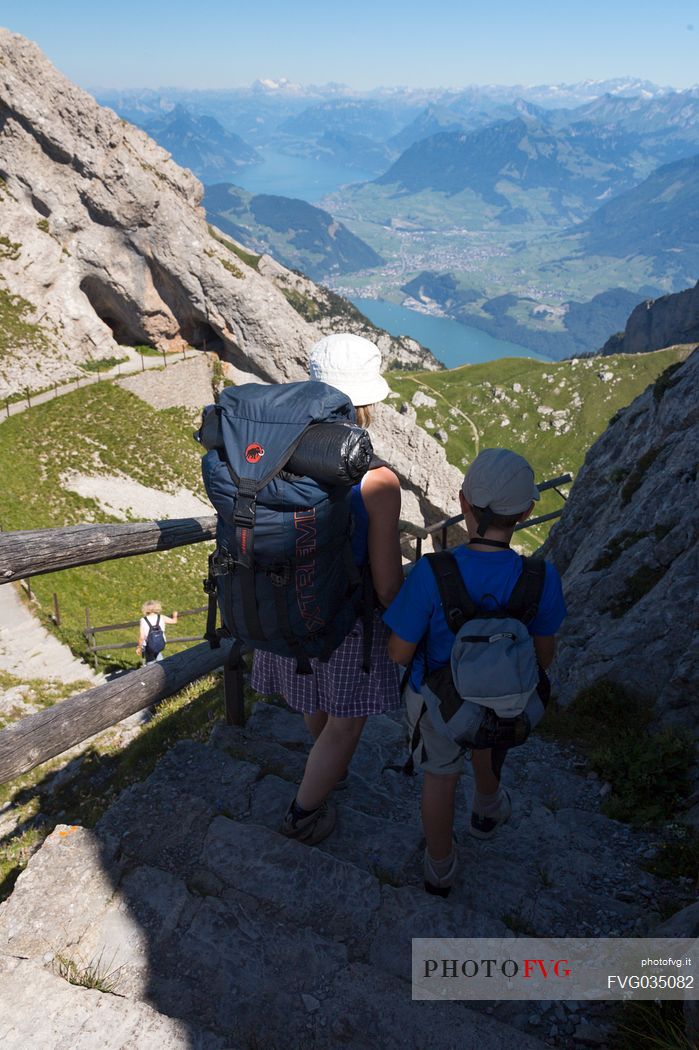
(475, 390)
(101, 430)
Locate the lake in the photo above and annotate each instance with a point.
(302, 177)
(451, 343)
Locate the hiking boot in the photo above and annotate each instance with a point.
(439, 885)
(483, 827)
(311, 829)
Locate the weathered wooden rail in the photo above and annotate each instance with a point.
(50, 732)
(33, 552)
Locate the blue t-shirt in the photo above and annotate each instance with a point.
(360, 526)
(490, 577)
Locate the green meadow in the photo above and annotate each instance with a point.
(512, 402)
(103, 430)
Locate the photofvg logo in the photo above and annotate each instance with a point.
(555, 968)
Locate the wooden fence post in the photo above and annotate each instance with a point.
(143, 363)
(56, 610)
(90, 634)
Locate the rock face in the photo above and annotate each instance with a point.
(217, 928)
(657, 323)
(627, 547)
(103, 242)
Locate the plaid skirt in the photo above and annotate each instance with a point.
(339, 687)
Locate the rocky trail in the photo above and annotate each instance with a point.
(216, 932)
(28, 650)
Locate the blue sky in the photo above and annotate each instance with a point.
(365, 43)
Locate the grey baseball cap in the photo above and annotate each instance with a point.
(500, 479)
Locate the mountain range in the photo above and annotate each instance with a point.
(548, 211)
(296, 233)
(200, 143)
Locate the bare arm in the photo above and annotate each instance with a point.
(545, 647)
(142, 635)
(170, 619)
(399, 651)
(381, 495)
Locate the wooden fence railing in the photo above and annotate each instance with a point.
(420, 533)
(33, 552)
(90, 632)
(48, 733)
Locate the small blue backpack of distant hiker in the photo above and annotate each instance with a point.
(155, 639)
(491, 693)
(279, 470)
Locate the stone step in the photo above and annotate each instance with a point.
(265, 942)
(216, 919)
(42, 1010)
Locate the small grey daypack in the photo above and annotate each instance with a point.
(487, 694)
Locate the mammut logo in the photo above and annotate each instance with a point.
(306, 546)
(254, 452)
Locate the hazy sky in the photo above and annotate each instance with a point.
(363, 43)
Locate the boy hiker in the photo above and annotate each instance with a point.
(498, 492)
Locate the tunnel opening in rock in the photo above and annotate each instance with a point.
(194, 326)
(114, 311)
(201, 335)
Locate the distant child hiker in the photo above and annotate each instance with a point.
(498, 492)
(339, 695)
(151, 638)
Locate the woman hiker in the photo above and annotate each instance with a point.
(337, 698)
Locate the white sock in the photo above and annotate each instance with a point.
(487, 805)
(441, 867)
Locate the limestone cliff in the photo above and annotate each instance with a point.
(657, 323)
(627, 547)
(103, 242)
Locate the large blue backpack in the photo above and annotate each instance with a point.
(279, 470)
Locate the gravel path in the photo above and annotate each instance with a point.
(135, 364)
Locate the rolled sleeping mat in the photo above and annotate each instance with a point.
(332, 453)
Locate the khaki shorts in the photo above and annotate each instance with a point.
(434, 752)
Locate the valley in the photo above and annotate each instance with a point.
(575, 203)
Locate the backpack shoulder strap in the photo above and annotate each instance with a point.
(524, 601)
(457, 603)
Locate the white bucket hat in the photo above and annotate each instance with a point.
(351, 364)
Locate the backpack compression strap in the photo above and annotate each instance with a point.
(457, 603)
(524, 601)
(244, 521)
